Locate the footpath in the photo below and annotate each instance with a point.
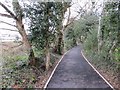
(75, 72)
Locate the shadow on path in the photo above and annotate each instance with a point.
(74, 72)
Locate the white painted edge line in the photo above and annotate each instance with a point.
(54, 70)
(97, 71)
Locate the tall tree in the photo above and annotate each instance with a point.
(111, 28)
(61, 10)
(18, 17)
(44, 23)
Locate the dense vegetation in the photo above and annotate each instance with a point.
(98, 35)
(40, 47)
(46, 25)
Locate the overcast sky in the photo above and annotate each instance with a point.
(75, 7)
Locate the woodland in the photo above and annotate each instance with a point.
(28, 62)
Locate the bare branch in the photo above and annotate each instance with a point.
(7, 23)
(5, 15)
(82, 10)
(17, 45)
(71, 21)
(8, 29)
(21, 43)
(68, 16)
(12, 15)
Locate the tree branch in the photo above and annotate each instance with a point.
(8, 23)
(9, 29)
(71, 21)
(5, 15)
(68, 16)
(21, 43)
(12, 15)
(79, 12)
(17, 45)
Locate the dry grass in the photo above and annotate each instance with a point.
(9, 55)
(24, 76)
(11, 48)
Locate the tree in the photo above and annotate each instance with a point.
(46, 22)
(110, 25)
(84, 26)
(70, 36)
(60, 10)
(110, 36)
(18, 17)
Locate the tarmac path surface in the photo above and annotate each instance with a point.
(74, 72)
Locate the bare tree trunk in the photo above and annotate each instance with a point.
(99, 35)
(58, 48)
(119, 40)
(100, 32)
(47, 57)
(60, 43)
(20, 26)
(26, 42)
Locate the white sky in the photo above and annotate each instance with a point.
(75, 7)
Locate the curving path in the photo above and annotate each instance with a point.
(74, 72)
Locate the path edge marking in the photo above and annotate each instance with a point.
(45, 86)
(96, 71)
